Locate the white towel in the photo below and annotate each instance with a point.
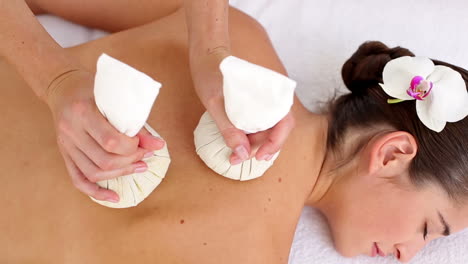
(313, 244)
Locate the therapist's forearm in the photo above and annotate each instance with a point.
(26, 45)
(207, 22)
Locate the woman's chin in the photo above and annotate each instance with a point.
(347, 254)
(346, 251)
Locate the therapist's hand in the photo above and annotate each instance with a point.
(208, 82)
(93, 150)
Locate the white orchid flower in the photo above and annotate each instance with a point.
(440, 92)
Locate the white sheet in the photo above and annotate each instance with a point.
(313, 39)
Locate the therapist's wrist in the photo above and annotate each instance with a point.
(204, 65)
(207, 77)
(209, 53)
(59, 65)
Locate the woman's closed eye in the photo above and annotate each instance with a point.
(425, 231)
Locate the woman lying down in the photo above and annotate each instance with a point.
(387, 166)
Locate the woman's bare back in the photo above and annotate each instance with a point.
(194, 216)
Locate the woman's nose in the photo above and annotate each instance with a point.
(406, 251)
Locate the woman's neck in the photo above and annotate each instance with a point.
(313, 130)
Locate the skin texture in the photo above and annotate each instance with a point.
(195, 215)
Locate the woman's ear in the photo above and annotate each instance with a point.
(391, 153)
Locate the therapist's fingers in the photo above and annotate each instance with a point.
(93, 173)
(276, 138)
(234, 138)
(148, 141)
(105, 160)
(239, 143)
(108, 137)
(84, 185)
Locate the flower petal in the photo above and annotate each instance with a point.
(423, 108)
(396, 93)
(398, 73)
(449, 95)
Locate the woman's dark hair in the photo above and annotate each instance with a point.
(442, 158)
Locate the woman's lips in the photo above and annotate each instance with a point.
(376, 251)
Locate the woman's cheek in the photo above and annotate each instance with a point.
(352, 234)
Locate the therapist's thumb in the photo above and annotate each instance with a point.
(148, 141)
(238, 141)
(234, 138)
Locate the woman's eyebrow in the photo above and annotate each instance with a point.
(446, 231)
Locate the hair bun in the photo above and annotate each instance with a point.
(364, 69)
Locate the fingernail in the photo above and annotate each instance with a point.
(264, 157)
(269, 157)
(160, 141)
(235, 160)
(149, 154)
(241, 152)
(141, 168)
(113, 200)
